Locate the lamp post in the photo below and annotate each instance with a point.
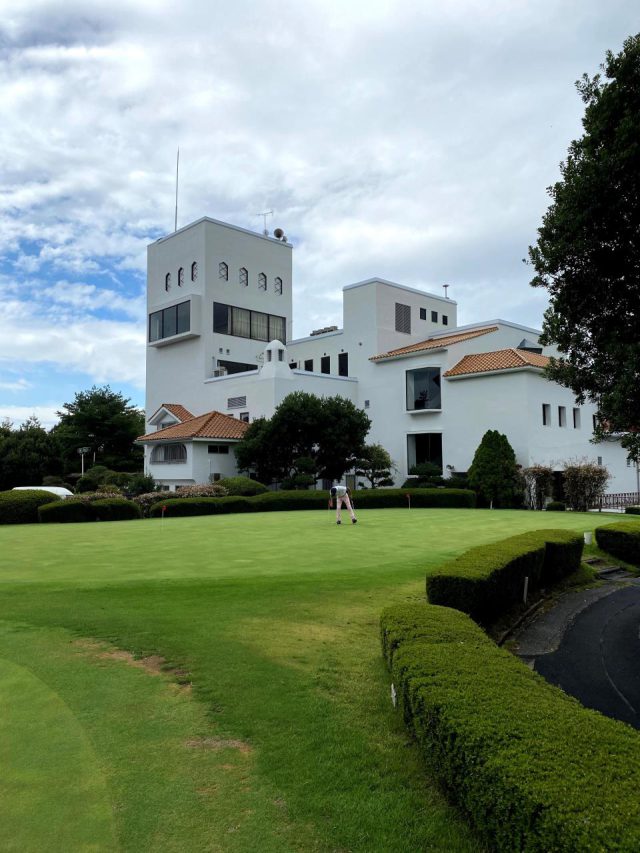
(82, 451)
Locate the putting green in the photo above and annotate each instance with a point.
(53, 793)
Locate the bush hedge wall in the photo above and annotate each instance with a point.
(622, 540)
(299, 500)
(531, 767)
(632, 510)
(116, 509)
(21, 507)
(74, 510)
(67, 511)
(488, 580)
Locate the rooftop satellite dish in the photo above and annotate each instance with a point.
(278, 233)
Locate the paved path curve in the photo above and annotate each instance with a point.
(598, 656)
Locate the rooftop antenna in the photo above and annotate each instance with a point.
(264, 215)
(175, 224)
(446, 287)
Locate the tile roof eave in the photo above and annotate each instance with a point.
(472, 373)
(377, 359)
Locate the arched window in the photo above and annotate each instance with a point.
(223, 271)
(262, 281)
(174, 453)
(243, 277)
(278, 285)
(167, 282)
(180, 276)
(194, 271)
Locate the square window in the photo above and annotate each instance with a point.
(423, 389)
(308, 365)
(244, 417)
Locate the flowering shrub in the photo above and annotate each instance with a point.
(203, 491)
(146, 501)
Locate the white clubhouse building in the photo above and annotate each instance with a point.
(219, 354)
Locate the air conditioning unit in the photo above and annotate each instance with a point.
(221, 371)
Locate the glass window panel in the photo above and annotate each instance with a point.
(221, 318)
(423, 389)
(278, 285)
(277, 329)
(259, 326)
(155, 326)
(184, 315)
(170, 321)
(241, 322)
(343, 364)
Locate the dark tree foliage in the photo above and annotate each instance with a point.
(494, 473)
(375, 465)
(103, 421)
(27, 455)
(307, 438)
(588, 252)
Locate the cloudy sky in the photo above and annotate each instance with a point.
(408, 140)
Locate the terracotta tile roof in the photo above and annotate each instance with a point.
(209, 425)
(502, 359)
(178, 410)
(436, 343)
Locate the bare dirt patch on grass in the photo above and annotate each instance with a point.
(218, 743)
(152, 664)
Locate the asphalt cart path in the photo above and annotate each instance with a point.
(597, 659)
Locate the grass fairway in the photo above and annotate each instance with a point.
(257, 716)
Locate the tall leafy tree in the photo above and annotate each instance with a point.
(27, 454)
(105, 422)
(494, 473)
(588, 251)
(307, 438)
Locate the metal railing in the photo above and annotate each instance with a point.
(617, 501)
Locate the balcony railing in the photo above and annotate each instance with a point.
(617, 501)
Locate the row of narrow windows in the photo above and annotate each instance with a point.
(562, 416)
(243, 278)
(325, 364)
(223, 274)
(194, 276)
(403, 317)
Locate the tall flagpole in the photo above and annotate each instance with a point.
(177, 168)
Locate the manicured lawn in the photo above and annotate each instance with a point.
(270, 728)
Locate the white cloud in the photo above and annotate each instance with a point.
(408, 140)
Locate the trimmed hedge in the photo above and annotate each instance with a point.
(556, 506)
(116, 509)
(21, 507)
(488, 580)
(313, 499)
(622, 540)
(68, 511)
(531, 767)
(242, 486)
(632, 510)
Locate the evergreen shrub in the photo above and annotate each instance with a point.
(531, 767)
(243, 486)
(556, 506)
(488, 580)
(67, 511)
(116, 509)
(632, 510)
(21, 507)
(622, 540)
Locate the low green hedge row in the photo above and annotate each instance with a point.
(298, 500)
(632, 510)
(531, 767)
(488, 580)
(78, 510)
(622, 540)
(22, 507)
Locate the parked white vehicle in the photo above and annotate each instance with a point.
(60, 491)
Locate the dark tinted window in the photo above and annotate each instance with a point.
(325, 364)
(343, 364)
